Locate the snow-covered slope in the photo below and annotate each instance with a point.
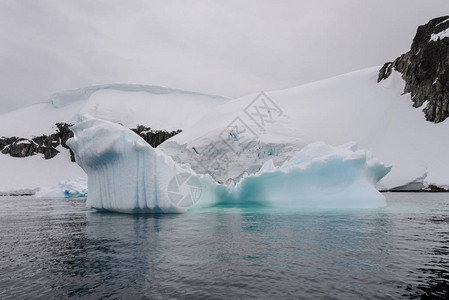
(128, 104)
(233, 138)
(229, 138)
(34, 171)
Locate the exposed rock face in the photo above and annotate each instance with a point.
(425, 69)
(46, 145)
(154, 138)
(64, 134)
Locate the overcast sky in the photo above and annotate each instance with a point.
(228, 48)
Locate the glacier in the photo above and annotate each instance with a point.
(127, 175)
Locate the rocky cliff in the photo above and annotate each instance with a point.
(44, 144)
(425, 69)
(154, 137)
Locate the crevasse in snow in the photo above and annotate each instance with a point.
(127, 175)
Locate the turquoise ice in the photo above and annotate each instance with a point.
(125, 174)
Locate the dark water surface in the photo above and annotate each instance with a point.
(58, 249)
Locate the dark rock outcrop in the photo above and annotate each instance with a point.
(47, 144)
(6, 142)
(154, 138)
(425, 69)
(20, 147)
(65, 133)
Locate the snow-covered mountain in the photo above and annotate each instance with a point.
(228, 138)
(378, 109)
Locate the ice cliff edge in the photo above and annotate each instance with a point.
(125, 174)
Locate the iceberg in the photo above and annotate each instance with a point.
(125, 174)
(318, 176)
(68, 188)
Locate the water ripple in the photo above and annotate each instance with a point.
(55, 248)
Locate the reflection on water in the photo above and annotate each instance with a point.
(58, 249)
(435, 271)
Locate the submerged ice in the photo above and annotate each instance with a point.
(125, 174)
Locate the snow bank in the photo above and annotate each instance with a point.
(34, 172)
(127, 175)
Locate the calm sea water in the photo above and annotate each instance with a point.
(56, 248)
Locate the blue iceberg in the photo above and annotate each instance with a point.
(125, 174)
(68, 188)
(319, 176)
